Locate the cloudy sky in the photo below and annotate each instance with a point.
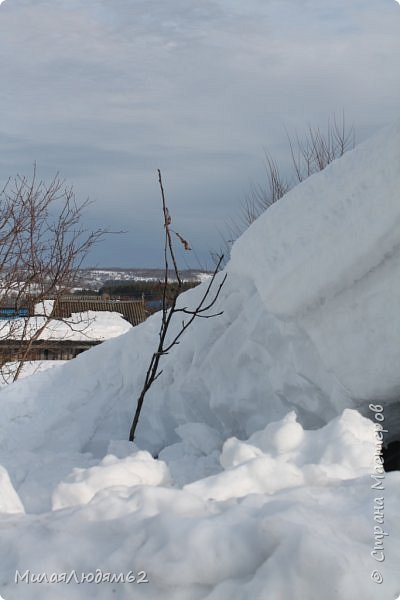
(107, 91)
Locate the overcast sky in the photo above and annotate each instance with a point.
(107, 91)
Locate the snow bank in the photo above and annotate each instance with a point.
(328, 232)
(325, 257)
(262, 485)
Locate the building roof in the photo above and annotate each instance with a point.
(89, 325)
(132, 310)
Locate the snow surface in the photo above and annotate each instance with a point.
(337, 286)
(261, 487)
(28, 368)
(90, 325)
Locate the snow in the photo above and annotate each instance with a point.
(90, 325)
(83, 484)
(344, 224)
(252, 469)
(44, 308)
(28, 368)
(9, 499)
(273, 460)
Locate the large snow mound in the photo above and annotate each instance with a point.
(326, 257)
(262, 483)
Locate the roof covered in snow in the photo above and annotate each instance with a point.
(79, 326)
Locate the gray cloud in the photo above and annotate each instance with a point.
(107, 92)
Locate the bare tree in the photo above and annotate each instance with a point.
(42, 247)
(170, 309)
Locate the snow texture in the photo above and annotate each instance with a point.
(28, 368)
(251, 472)
(89, 325)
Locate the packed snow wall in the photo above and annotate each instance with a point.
(327, 259)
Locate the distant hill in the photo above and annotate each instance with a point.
(95, 278)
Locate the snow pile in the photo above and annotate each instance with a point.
(283, 456)
(325, 257)
(83, 484)
(262, 483)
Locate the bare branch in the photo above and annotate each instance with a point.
(42, 246)
(170, 309)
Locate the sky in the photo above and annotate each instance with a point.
(105, 92)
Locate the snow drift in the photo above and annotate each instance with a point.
(262, 485)
(326, 257)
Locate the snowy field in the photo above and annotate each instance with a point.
(266, 424)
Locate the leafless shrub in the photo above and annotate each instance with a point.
(317, 150)
(170, 309)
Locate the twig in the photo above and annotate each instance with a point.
(206, 302)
